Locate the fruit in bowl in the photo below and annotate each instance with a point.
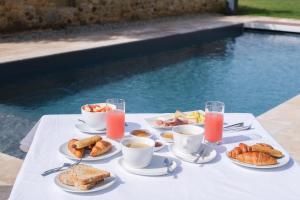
(94, 115)
(97, 107)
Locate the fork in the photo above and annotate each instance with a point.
(240, 128)
(57, 169)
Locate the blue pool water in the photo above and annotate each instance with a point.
(249, 73)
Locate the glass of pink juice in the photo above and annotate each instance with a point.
(115, 119)
(213, 124)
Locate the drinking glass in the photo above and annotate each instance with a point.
(115, 119)
(213, 124)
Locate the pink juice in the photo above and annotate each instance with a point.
(115, 124)
(213, 126)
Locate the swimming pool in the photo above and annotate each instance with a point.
(250, 73)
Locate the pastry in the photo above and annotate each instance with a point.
(100, 148)
(73, 150)
(87, 142)
(256, 158)
(268, 149)
(259, 147)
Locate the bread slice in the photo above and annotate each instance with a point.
(66, 177)
(87, 186)
(82, 176)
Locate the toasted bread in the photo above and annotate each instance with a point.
(87, 186)
(83, 176)
(66, 177)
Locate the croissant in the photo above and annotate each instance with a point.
(76, 152)
(233, 153)
(256, 158)
(100, 148)
(87, 142)
(265, 148)
(242, 148)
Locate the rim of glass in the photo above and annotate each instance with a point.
(115, 99)
(215, 102)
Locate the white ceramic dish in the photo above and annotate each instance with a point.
(96, 120)
(188, 138)
(281, 161)
(84, 128)
(137, 157)
(160, 147)
(108, 182)
(209, 155)
(116, 148)
(151, 121)
(148, 132)
(156, 167)
(166, 139)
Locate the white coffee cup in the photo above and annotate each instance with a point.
(96, 120)
(137, 157)
(187, 138)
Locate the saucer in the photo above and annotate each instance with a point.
(84, 128)
(210, 154)
(157, 167)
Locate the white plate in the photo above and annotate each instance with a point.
(151, 120)
(210, 154)
(281, 161)
(84, 128)
(161, 147)
(168, 140)
(116, 148)
(156, 167)
(108, 182)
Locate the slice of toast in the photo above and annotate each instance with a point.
(83, 176)
(88, 186)
(66, 177)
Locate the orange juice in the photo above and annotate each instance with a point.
(115, 126)
(213, 126)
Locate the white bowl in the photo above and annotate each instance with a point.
(96, 120)
(148, 132)
(188, 138)
(137, 157)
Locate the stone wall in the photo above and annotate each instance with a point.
(32, 14)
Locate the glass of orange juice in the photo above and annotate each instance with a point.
(213, 124)
(115, 119)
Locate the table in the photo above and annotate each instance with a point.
(219, 179)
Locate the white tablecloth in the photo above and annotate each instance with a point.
(220, 179)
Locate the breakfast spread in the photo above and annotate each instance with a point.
(96, 108)
(82, 176)
(259, 154)
(180, 118)
(140, 133)
(95, 145)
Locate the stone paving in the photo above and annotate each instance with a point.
(283, 123)
(41, 43)
(9, 169)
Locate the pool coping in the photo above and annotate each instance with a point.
(116, 51)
